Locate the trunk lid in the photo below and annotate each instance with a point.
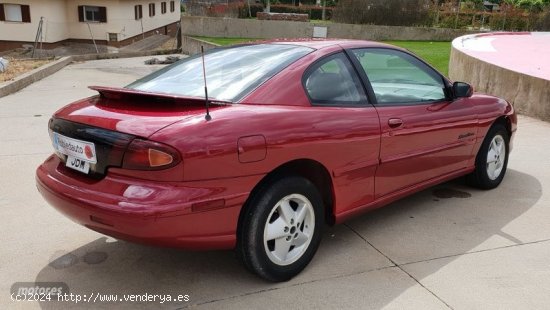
(116, 116)
(131, 111)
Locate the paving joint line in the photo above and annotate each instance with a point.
(283, 287)
(478, 251)
(395, 265)
(399, 266)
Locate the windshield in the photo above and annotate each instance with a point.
(230, 73)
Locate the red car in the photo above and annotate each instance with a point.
(298, 134)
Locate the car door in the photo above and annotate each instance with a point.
(349, 126)
(425, 133)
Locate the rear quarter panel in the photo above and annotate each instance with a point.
(345, 141)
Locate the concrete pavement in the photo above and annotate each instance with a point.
(446, 247)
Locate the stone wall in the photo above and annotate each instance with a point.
(282, 16)
(529, 95)
(268, 29)
(192, 46)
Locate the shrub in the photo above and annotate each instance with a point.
(382, 12)
(254, 8)
(230, 8)
(314, 12)
(543, 22)
(462, 21)
(509, 18)
(328, 3)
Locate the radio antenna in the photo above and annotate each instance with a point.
(207, 117)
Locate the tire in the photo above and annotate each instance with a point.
(492, 159)
(281, 228)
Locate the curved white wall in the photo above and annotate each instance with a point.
(529, 94)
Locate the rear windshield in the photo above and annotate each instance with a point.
(231, 73)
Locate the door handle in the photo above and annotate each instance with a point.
(395, 122)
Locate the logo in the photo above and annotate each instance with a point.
(88, 152)
(25, 289)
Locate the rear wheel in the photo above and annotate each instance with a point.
(281, 229)
(492, 159)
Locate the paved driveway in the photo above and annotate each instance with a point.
(446, 247)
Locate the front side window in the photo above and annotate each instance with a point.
(397, 77)
(97, 14)
(15, 13)
(151, 9)
(332, 81)
(230, 73)
(163, 7)
(172, 6)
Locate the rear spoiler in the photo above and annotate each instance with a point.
(117, 93)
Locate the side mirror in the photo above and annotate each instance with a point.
(462, 90)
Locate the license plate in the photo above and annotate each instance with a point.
(74, 148)
(78, 164)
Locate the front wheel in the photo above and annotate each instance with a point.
(281, 229)
(492, 159)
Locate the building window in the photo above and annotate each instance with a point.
(113, 37)
(163, 7)
(172, 6)
(96, 14)
(138, 11)
(151, 9)
(15, 13)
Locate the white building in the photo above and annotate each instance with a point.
(110, 22)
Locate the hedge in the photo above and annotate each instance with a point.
(314, 12)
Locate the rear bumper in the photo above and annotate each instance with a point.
(193, 215)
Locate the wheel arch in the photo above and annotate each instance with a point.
(310, 169)
(503, 120)
(506, 122)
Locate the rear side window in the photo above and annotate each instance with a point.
(333, 81)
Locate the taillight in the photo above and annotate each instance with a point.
(149, 155)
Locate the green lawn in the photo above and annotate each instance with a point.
(436, 53)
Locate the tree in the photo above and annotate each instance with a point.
(383, 12)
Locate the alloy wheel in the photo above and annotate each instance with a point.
(289, 229)
(496, 157)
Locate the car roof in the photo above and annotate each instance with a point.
(323, 43)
